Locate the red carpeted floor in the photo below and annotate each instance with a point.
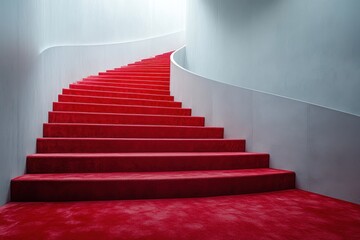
(289, 214)
(121, 136)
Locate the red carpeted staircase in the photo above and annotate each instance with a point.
(121, 135)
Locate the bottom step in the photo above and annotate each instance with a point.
(144, 185)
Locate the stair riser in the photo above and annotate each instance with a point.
(143, 68)
(99, 100)
(118, 89)
(165, 63)
(165, 59)
(84, 92)
(124, 81)
(144, 164)
(120, 73)
(101, 131)
(125, 85)
(74, 107)
(66, 117)
(140, 70)
(147, 65)
(45, 145)
(145, 189)
(158, 78)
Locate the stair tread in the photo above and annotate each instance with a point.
(130, 81)
(132, 125)
(126, 114)
(121, 105)
(129, 76)
(111, 144)
(120, 89)
(101, 91)
(120, 108)
(117, 98)
(89, 92)
(144, 154)
(143, 139)
(129, 131)
(125, 176)
(127, 85)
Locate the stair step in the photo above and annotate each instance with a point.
(157, 64)
(155, 78)
(131, 81)
(110, 118)
(143, 162)
(140, 185)
(84, 92)
(119, 101)
(131, 73)
(139, 70)
(164, 68)
(112, 108)
(118, 89)
(112, 145)
(73, 130)
(154, 61)
(125, 85)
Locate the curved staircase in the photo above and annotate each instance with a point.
(121, 135)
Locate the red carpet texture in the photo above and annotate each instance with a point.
(121, 136)
(285, 215)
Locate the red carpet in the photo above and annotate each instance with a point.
(120, 135)
(285, 215)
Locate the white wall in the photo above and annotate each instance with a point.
(321, 145)
(45, 45)
(108, 21)
(303, 49)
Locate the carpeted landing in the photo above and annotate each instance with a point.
(121, 159)
(289, 214)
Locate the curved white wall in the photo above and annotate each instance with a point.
(303, 49)
(45, 45)
(69, 22)
(321, 145)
